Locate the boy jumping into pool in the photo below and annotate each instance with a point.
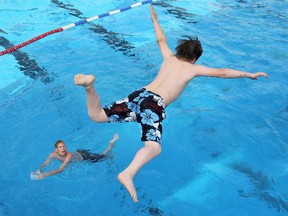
(147, 105)
(60, 153)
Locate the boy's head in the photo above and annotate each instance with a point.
(57, 143)
(189, 49)
(60, 147)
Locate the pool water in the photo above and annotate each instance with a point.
(224, 142)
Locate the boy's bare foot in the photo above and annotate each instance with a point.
(111, 144)
(127, 181)
(87, 81)
(115, 138)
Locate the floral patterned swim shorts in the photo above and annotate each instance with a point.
(144, 107)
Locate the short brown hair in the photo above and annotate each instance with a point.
(189, 49)
(58, 142)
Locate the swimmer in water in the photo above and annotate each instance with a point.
(60, 153)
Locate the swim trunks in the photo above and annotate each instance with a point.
(91, 157)
(144, 107)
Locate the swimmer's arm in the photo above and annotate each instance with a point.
(160, 36)
(48, 160)
(53, 172)
(225, 73)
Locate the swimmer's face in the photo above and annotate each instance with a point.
(61, 149)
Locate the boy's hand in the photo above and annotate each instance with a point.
(256, 75)
(41, 176)
(153, 14)
(37, 175)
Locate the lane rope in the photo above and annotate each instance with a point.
(80, 22)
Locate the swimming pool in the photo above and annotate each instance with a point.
(225, 141)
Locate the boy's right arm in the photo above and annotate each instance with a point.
(160, 37)
(48, 160)
(61, 168)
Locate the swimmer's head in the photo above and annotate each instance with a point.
(60, 147)
(189, 49)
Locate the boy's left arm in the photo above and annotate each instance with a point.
(226, 73)
(53, 172)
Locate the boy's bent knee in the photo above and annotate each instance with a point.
(155, 146)
(94, 118)
(98, 117)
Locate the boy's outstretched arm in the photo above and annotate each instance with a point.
(48, 160)
(226, 73)
(160, 36)
(53, 172)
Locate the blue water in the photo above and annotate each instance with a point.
(225, 140)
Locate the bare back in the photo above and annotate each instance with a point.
(174, 75)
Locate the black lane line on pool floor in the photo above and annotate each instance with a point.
(28, 66)
(111, 38)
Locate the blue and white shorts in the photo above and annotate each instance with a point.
(144, 107)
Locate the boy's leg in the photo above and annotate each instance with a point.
(95, 110)
(149, 151)
(111, 144)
